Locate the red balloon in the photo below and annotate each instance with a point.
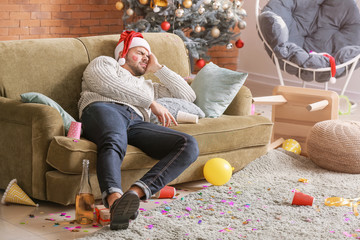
(200, 63)
(165, 25)
(239, 43)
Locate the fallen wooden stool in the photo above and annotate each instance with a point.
(295, 110)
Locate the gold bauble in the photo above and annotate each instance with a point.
(143, 2)
(215, 32)
(119, 5)
(130, 12)
(187, 3)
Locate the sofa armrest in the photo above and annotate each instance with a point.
(241, 105)
(26, 132)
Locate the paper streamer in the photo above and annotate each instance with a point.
(339, 201)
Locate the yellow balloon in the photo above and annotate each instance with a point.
(292, 146)
(217, 171)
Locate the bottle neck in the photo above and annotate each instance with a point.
(85, 186)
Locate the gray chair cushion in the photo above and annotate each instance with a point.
(331, 26)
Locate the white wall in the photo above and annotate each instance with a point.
(254, 60)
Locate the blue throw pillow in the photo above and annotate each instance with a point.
(215, 88)
(34, 97)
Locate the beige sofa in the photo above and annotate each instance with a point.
(47, 164)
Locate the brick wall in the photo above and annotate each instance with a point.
(31, 19)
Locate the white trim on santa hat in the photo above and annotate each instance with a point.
(136, 42)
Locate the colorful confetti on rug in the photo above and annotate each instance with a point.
(255, 204)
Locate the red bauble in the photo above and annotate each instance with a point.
(200, 63)
(239, 43)
(165, 25)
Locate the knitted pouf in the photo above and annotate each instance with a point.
(335, 145)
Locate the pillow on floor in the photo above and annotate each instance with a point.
(174, 105)
(215, 88)
(34, 97)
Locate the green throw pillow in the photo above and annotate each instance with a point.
(34, 97)
(215, 88)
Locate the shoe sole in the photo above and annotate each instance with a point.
(124, 209)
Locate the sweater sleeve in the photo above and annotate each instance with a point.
(104, 77)
(173, 85)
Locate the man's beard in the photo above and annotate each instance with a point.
(136, 69)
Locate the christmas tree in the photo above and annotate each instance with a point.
(201, 24)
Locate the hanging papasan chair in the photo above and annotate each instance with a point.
(316, 40)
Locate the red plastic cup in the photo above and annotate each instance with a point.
(302, 199)
(166, 192)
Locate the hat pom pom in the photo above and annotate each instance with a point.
(121, 61)
(332, 80)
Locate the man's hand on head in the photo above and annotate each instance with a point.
(153, 64)
(163, 114)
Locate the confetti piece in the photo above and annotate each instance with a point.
(142, 209)
(200, 221)
(68, 216)
(95, 226)
(304, 180)
(50, 219)
(75, 230)
(149, 226)
(188, 209)
(247, 205)
(63, 214)
(22, 223)
(332, 231)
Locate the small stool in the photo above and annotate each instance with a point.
(335, 145)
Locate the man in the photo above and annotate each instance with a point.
(115, 106)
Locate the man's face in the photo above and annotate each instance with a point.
(137, 60)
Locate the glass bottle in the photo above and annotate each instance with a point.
(85, 202)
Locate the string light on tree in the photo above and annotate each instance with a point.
(119, 5)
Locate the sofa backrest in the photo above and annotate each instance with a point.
(54, 67)
(169, 49)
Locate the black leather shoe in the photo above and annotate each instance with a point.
(124, 209)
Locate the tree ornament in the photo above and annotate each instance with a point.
(216, 5)
(130, 12)
(119, 5)
(215, 32)
(143, 2)
(198, 28)
(187, 3)
(242, 12)
(165, 25)
(159, 3)
(179, 12)
(242, 24)
(207, 2)
(239, 43)
(229, 46)
(156, 9)
(239, 3)
(201, 9)
(229, 14)
(226, 5)
(200, 63)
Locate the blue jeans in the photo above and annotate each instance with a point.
(113, 126)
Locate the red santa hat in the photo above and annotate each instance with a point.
(129, 39)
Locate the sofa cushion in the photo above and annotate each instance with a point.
(214, 136)
(215, 88)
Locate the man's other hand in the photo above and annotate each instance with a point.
(163, 114)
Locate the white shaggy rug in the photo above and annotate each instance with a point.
(255, 204)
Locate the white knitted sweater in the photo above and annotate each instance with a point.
(104, 80)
